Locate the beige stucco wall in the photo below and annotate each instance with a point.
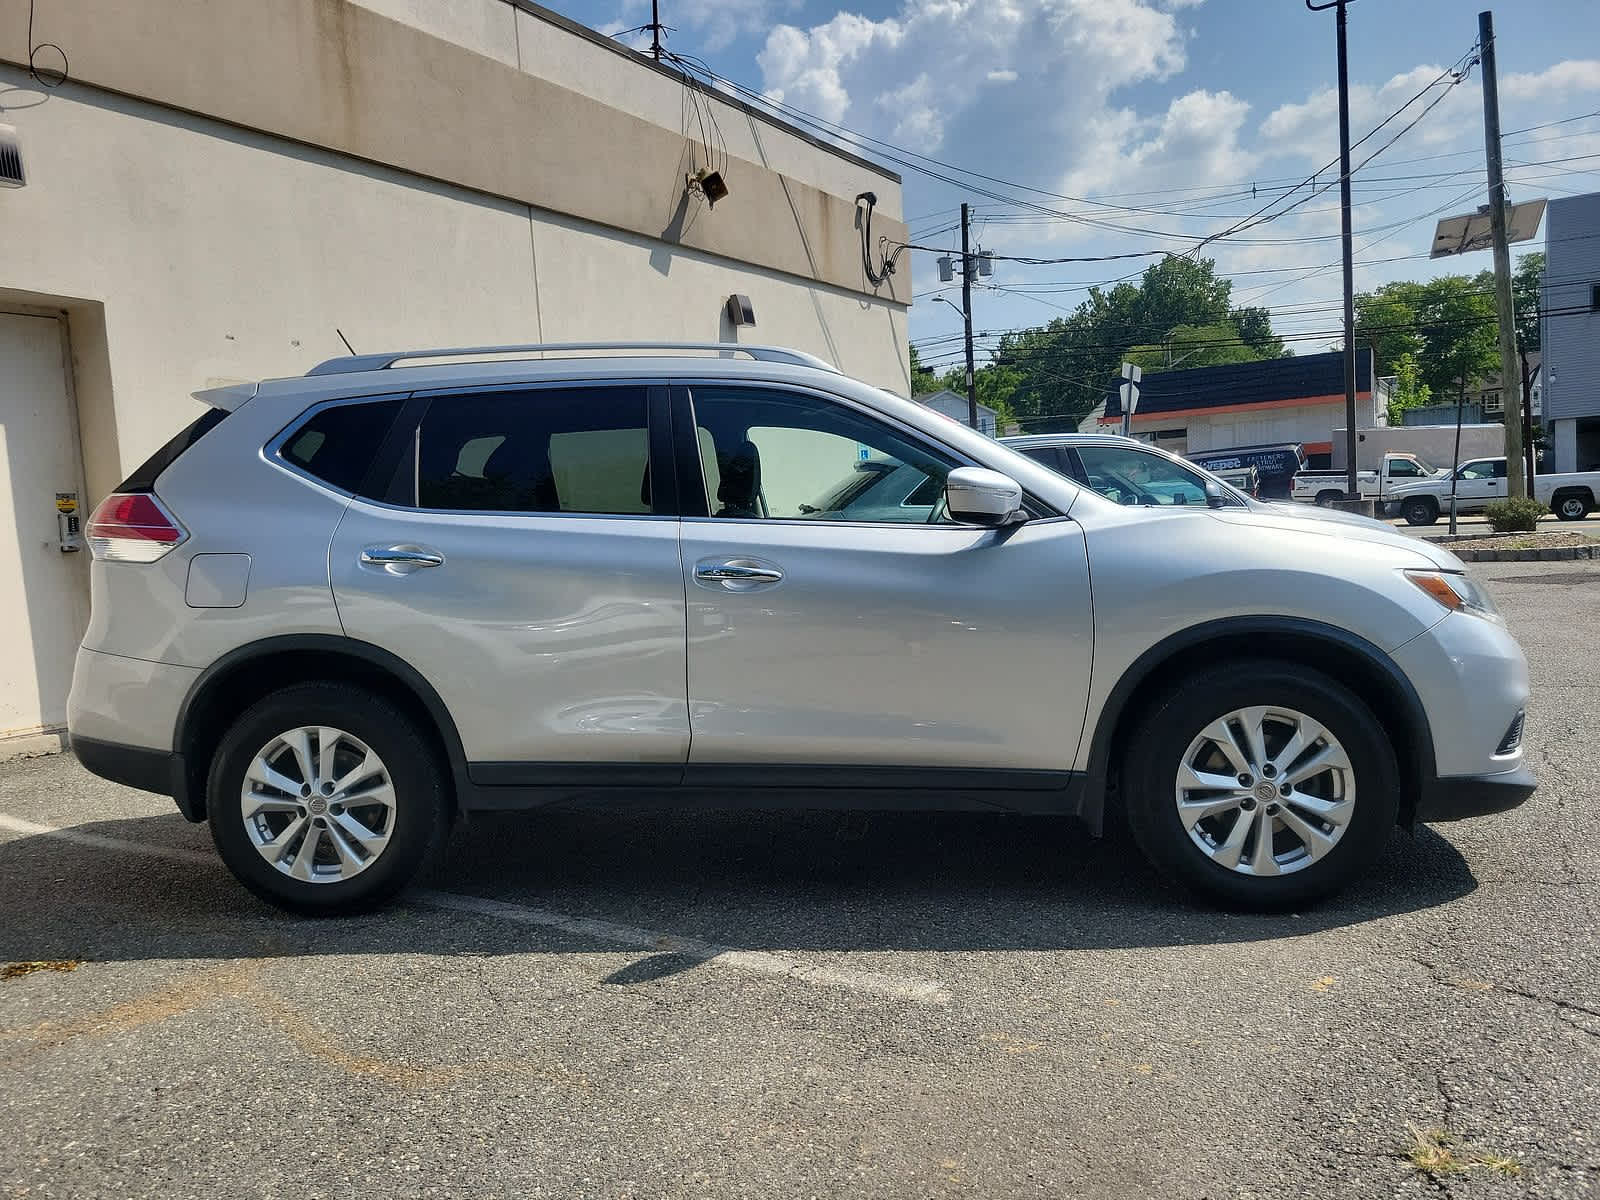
(523, 36)
(341, 76)
(210, 253)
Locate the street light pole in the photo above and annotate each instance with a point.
(1352, 489)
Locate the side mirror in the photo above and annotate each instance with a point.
(977, 496)
(1215, 496)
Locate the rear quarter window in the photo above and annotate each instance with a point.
(338, 444)
(144, 479)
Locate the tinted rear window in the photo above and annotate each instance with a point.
(338, 444)
(544, 450)
(144, 479)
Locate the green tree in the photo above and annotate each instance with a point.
(1255, 327)
(922, 379)
(1525, 287)
(1460, 344)
(1386, 321)
(1066, 367)
(1196, 346)
(1409, 390)
(996, 383)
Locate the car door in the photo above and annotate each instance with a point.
(525, 561)
(886, 639)
(1479, 482)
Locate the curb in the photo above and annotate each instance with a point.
(1548, 554)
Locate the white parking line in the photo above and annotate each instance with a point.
(760, 962)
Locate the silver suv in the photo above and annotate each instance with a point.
(338, 611)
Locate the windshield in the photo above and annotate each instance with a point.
(1133, 475)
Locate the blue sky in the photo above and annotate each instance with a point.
(1175, 108)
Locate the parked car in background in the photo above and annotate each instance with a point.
(1571, 496)
(1396, 469)
(338, 611)
(1244, 479)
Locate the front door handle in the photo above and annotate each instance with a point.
(736, 574)
(401, 560)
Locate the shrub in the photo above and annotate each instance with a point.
(1514, 516)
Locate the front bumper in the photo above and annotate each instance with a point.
(1457, 797)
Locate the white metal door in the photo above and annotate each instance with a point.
(44, 592)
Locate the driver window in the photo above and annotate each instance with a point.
(1477, 470)
(797, 457)
(1129, 476)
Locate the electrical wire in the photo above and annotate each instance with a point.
(44, 78)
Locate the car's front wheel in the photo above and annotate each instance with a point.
(1260, 784)
(324, 798)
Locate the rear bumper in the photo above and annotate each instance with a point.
(159, 771)
(1457, 797)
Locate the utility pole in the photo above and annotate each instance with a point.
(966, 315)
(1510, 376)
(1352, 489)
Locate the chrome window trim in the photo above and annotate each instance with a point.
(272, 451)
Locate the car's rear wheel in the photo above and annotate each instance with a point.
(324, 798)
(1327, 498)
(1260, 784)
(1422, 511)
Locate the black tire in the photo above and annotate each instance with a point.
(1326, 499)
(1156, 750)
(1572, 506)
(420, 818)
(1422, 511)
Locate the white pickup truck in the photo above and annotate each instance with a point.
(1570, 496)
(1324, 487)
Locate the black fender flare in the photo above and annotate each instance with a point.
(396, 668)
(1377, 665)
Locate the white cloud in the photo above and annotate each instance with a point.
(1554, 82)
(1072, 54)
(1194, 142)
(1310, 129)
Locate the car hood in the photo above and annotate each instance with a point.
(1416, 485)
(1331, 522)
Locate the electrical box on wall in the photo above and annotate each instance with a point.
(740, 310)
(11, 158)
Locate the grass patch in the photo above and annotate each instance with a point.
(1439, 1152)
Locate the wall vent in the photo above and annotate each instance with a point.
(10, 158)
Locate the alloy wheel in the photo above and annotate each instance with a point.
(318, 804)
(1265, 791)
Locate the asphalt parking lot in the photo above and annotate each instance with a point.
(811, 1005)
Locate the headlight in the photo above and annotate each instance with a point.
(1456, 591)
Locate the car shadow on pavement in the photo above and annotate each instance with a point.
(773, 881)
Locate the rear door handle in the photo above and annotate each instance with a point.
(736, 574)
(401, 560)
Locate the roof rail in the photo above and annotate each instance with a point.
(379, 362)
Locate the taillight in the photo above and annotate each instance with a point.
(133, 527)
